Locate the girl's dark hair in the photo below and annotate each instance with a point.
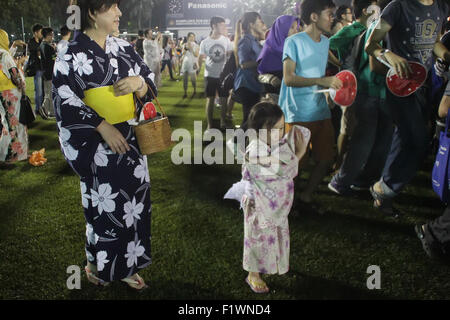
(165, 42)
(93, 6)
(249, 17)
(264, 114)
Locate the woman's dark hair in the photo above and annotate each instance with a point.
(165, 42)
(340, 11)
(264, 114)
(249, 17)
(309, 7)
(338, 16)
(147, 32)
(37, 27)
(216, 21)
(93, 6)
(189, 34)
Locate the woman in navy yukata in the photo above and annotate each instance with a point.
(115, 182)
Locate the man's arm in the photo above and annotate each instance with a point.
(374, 49)
(441, 52)
(293, 80)
(333, 60)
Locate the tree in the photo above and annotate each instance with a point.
(33, 11)
(268, 9)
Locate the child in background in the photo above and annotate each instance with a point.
(266, 192)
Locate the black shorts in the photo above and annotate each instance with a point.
(212, 86)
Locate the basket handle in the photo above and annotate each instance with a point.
(157, 102)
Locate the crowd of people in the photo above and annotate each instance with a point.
(275, 73)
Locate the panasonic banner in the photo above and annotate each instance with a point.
(192, 14)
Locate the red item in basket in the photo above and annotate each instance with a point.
(406, 87)
(345, 96)
(149, 111)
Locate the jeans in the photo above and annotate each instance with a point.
(410, 142)
(439, 231)
(39, 89)
(369, 144)
(169, 64)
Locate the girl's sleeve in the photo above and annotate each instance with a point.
(76, 121)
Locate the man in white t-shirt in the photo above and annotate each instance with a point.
(215, 49)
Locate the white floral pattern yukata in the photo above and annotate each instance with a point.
(266, 193)
(115, 188)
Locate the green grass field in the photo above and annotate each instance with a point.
(197, 236)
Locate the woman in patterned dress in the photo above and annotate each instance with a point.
(115, 183)
(13, 134)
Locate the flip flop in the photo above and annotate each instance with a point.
(92, 278)
(254, 285)
(138, 285)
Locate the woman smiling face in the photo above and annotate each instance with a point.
(108, 21)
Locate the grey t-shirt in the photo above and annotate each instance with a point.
(216, 51)
(415, 28)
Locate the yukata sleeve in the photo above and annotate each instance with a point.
(9, 67)
(141, 69)
(77, 122)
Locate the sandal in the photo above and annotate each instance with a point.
(137, 284)
(92, 278)
(384, 204)
(257, 285)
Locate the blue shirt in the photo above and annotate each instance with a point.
(248, 51)
(311, 58)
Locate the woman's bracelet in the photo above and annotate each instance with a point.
(142, 85)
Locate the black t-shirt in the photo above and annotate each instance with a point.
(48, 56)
(140, 47)
(415, 28)
(446, 40)
(33, 50)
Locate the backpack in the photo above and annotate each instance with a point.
(353, 60)
(227, 76)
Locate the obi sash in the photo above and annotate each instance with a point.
(5, 82)
(113, 109)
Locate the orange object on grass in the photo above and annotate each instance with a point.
(37, 158)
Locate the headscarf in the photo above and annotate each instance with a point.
(4, 40)
(270, 59)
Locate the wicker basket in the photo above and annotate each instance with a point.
(154, 136)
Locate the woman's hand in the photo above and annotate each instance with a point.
(113, 138)
(127, 85)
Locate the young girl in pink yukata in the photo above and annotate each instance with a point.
(266, 191)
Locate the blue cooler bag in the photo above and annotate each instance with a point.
(440, 176)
